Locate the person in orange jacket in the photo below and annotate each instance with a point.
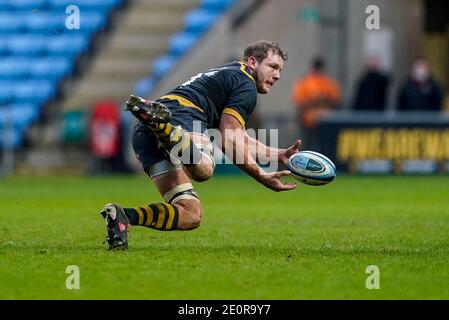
(314, 95)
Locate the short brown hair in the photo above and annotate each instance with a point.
(259, 50)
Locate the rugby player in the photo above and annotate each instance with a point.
(173, 151)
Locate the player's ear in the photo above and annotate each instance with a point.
(251, 62)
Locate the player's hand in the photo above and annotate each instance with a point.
(273, 181)
(285, 154)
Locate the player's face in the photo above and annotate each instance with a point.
(268, 72)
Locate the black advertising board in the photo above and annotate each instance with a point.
(383, 143)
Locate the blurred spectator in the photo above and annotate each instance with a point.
(371, 94)
(314, 95)
(420, 92)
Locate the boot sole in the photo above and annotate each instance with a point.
(148, 112)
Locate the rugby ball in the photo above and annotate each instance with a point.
(312, 168)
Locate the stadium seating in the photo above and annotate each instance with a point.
(196, 23)
(37, 52)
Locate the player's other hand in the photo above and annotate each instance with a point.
(285, 154)
(273, 181)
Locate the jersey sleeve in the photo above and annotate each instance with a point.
(242, 98)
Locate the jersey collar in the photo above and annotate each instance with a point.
(246, 70)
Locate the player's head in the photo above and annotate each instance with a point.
(266, 59)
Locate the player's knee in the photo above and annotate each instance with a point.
(203, 170)
(201, 173)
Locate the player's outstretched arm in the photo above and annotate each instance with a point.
(235, 145)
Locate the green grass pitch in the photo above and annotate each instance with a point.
(311, 243)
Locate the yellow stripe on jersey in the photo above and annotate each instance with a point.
(183, 101)
(235, 114)
(242, 68)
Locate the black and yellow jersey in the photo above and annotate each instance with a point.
(227, 89)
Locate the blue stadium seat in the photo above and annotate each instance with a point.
(55, 23)
(4, 6)
(26, 45)
(181, 42)
(4, 40)
(10, 24)
(144, 86)
(26, 5)
(37, 50)
(13, 68)
(19, 115)
(67, 45)
(93, 5)
(199, 20)
(16, 138)
(36, 91)
(24, 114)
(93, 21)
(47, 23)
(163, 65)
(216, 5)
(54, 68)
(6, 91)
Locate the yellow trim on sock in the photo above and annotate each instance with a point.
(171, 216)
(235, 114)
(149, 216)
(183, 101)
(140, 213)
(161, 216)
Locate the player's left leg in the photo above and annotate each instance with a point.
(181, 210)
